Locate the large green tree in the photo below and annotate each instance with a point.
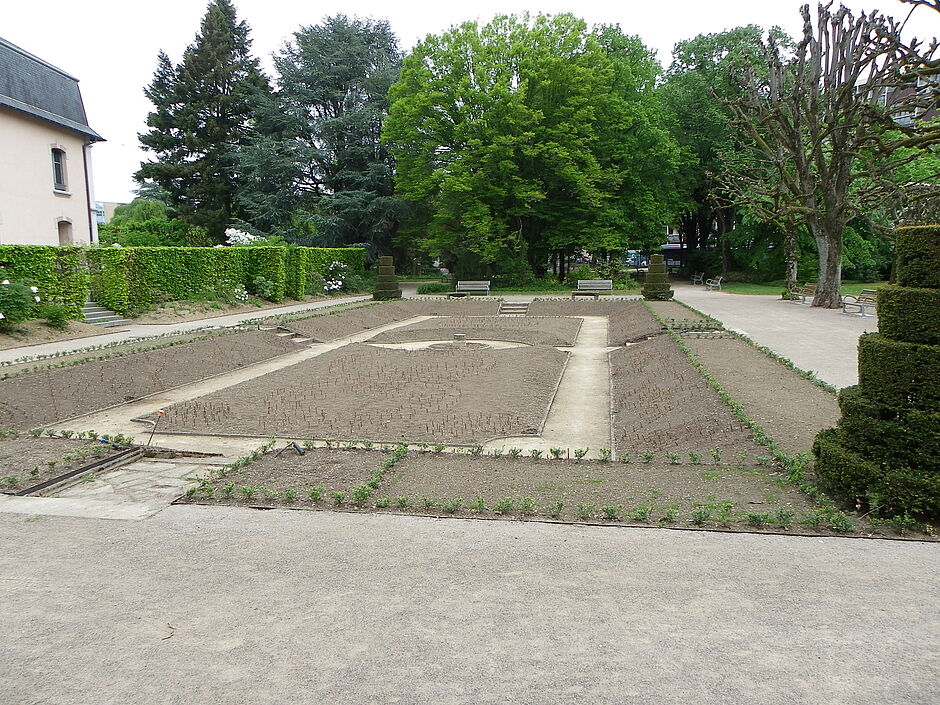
(528, 138)
(316, 164)
(202, 108)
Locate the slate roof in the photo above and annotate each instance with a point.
(30, 85)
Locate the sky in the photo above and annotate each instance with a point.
(111, 46)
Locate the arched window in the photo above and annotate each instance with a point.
(59, 175)
(65, 233)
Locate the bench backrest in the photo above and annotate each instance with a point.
(595, 284)
(867, 295)
(809, 287)
(473, 286)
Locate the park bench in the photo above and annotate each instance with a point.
(465, 288)
(714, 284)
(698, 278)
(592, 287)
(866, 299)
(808, 289)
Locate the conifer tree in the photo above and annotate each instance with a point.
(202, 108)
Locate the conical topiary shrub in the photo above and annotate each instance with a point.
(656, 288)
(386, 284)
(885, 453)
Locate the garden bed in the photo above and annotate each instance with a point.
(182, 311)
(661, 404)
(381, 394)
(26, 460)
(628, 321)
(38, 332)
(723, 496)
(530, 330)
(35, 399)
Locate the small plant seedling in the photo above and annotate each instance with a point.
(50, 432)
(902, 523)
(612, 512)
(700, 515)
(190, 491)
(556, 452)
(478, 504)
(496, 452)
(670, 513)
(535, 453)
(554, 509)
(742, 456)
(402, 502)
(605, 454)
(427, 502)
(66, 434)
(453, 506)
(642, 513)
(723, 513)
(626, 458)
(268, 492)
(360, 494)
(648, 456)
(66, 458)
(515, 452)
(763, 460)
(290, 494)
(813, 519)
(367, 444)
(783, 517)
(35, 432)
(504, 506)
(329, 442)
(315, 494)
(716, 455)
(228, 489)
(526, 506)
(338, 497)
(248, 492)
(439, 448)
(695, 458)
(476, 449)
(586, 511)
(308, 445)
(579, 453)
(673, 458)
(841, 523)
(34, 472)
(757, 520)
(51, 463)
(382, 502)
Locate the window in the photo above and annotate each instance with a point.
(58, 169)
(65, 232)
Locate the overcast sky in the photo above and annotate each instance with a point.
(111, 45)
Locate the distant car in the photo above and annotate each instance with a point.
(637, 260)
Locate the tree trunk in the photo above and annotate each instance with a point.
(790, 263)
(829, 245)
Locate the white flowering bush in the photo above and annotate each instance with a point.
(234, 236)
(335, 276)
(240, 293)
(17, 299)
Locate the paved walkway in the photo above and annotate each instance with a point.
(824, 341)
(133, 332)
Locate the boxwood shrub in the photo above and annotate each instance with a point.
(910, 315)
(59, 272)
(918, 252)
(896, 373)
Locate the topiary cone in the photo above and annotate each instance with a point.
(386, 283)
(656, 288)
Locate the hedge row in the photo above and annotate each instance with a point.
(908, 314)
(896, 373)
(129, 278)
(59, 272)
(918, 252)
(848, 476)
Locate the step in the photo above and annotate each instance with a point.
(95, 309)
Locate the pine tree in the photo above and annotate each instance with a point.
(202, 111)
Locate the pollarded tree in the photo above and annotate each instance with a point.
(316, 162)
(821, 122)
(202, 109)
(513, 140)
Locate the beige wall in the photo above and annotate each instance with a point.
(31, 210)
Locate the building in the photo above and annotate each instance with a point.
(46, 195)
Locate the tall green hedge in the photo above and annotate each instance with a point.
(59, 272)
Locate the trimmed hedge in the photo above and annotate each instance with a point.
(59, 272)
(897, 436)
(910, 315)
(849, 477)
(132, 278)
(918, 253)
(896, 373)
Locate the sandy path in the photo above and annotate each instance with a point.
(580, 413)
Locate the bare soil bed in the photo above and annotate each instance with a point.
(381, 394)
(38, 332)
(38, 398)
(326, 327)
(627, 320)
(531, 330)
(661, 404)
(790, 408)
(27, 461)
(704, 496)
(673, 310)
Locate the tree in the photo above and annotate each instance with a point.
(202, 111)
(821, 123)
(316, 162)
(515, 141)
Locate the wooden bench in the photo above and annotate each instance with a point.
(465, 288)
(593, 287)
(698, 278)
(866, 299)
(714, 284)
(808, 289)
